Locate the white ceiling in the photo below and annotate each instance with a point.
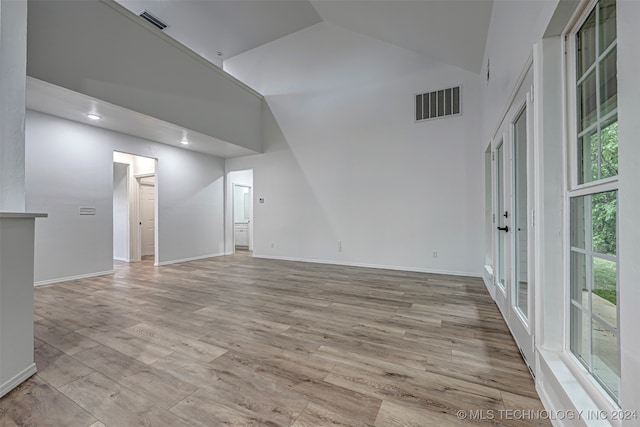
(55, 100)
(453, 32)
(450, 31)
(227, 26)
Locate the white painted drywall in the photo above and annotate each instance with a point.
(120, 211)
(515, 27)
(13, 57)
(70, 165)
(343, 155)
(629, 200)
(16, 301)
(102, 50)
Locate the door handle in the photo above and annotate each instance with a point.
(505, 228)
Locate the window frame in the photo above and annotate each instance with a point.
(576, 189)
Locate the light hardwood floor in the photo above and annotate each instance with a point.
(242, 341)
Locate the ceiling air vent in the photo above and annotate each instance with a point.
(156, 22)
(437, 104)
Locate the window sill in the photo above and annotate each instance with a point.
(564, 386)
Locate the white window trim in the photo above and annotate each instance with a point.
(591, 386)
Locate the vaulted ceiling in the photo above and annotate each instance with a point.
(451, 31)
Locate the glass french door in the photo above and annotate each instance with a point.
(502, 228)
(521, 297)
(513, 220)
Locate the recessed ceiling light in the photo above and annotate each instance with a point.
(185, 142)
(94, 116)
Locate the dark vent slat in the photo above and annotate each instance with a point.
(426, 106)
(456, 100)
(153, 20)
(434, 111)
(439, 103)
(447, 102)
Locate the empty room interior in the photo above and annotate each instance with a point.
(311, 212)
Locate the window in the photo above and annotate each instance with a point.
(593, 198)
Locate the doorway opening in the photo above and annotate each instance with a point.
(240, 214)
(135, 208)
(241, 217)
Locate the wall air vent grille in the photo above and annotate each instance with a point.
(156, 22)
(437, 104)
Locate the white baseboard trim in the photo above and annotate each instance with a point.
(66, 279)
(18, 379)
(487, 277)
(367, 265)
(195, 258)
(121, 259)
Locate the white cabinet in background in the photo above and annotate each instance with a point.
(241, 231)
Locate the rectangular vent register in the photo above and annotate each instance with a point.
(439, 103)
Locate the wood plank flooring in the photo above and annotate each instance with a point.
(241, 341)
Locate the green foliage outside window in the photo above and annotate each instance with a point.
(604, 215)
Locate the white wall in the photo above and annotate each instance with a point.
(184, 89)
(344, 160)
(13, 64)
(120, 211)
(70, 165)
(515, 27)
(629, 200)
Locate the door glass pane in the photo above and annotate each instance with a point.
(500, 219)
(605, 357)
(586, 44)
(520, 217)
(488, 257)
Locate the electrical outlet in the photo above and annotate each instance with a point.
(435, 254)
(339, 245)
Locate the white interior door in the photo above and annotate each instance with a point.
(147, 218)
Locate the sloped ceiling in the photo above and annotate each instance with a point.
(219, 29)
(451, 31)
